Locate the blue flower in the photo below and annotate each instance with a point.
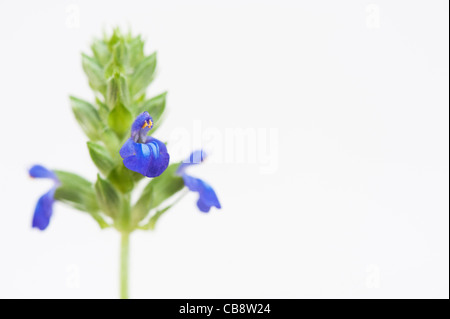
(208, 197)
(44, 206)
(144, 154)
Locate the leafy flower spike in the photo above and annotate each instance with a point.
(208, 197)
(44, 207)
(144, 154)
(119, 72)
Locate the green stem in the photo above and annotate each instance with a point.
(124, 257)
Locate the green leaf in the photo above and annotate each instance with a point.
(95, 73)
(87, 117)
(112, 68)
(103, 110)
(143, 75)
(120, 119)
(140, 99)
(115, 38)
(101, 158)
(100, 220)
(152, 221)
(79, 193)
(122, 178)
(117, 90)
(156, 192)
(76, 191)
(155, 107)
(112, 143)
(120, 53)
(136, 51)
(101, 52)
(108, 198)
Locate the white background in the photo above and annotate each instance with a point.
(358, 205)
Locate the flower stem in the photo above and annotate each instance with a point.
(124, 257)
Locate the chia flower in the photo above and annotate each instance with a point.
(207, 196)
(119, 72)
(44, 207)
(144, 154)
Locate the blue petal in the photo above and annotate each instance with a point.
(135, 156)
(207, 195)
(44, 206)
(196, 157)
(128, 149)
(44, 210)
(150, 159)
(141, 125)
(40, 171)
(159, 157)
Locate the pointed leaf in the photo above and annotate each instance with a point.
(95, 73)
(100, 220)
(156, 192)
(152, 221)
(120, 119)
(117, 90)
(103, 110)
(101, 52)
(112, 143)
(136, 51)
(120, 53)
(108, 198)
(87, 117)
(76, 191)
(143, 75)
(122, 178)
(101, 158)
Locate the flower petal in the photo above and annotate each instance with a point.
(159, 157)
(128, 148)
(40, 171)
(44, 210)
(135, 156)
(150, 159)
(207, 195)
(141, 125)
(196, 157)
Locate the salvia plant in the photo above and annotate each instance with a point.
(118, 126)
